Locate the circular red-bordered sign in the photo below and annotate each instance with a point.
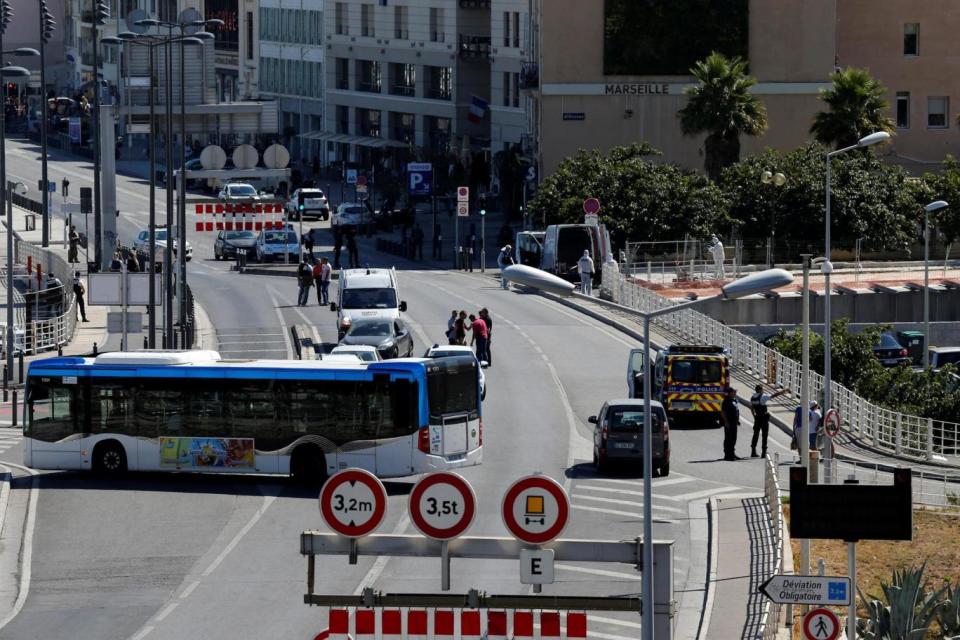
(591, 205)
(442, 505)
(831, 423)
(535, 509)
(821, 624)
(361, 180)
(353, 502)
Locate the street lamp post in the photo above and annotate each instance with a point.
(748, 285)
(101, 13)
(827, 266)
(47, 26)
(927, 210)
(778, 180)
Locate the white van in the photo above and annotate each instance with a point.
(366, 293)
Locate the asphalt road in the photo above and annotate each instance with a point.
(175, 556)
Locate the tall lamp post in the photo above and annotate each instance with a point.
(101, 11)
(778, 180)
(748, 285)
(927, 210)
(47, 27)
(827, 267)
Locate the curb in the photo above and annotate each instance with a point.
(206, 334)
(713, 551)
(5, 478)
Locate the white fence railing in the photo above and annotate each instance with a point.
(885, 429)
(774, 503)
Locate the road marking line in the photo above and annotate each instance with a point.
(267, 501)
(381, 562)
(616, 512)
(614, 621)
(186, 592)
(143, 633)
(657, 482)
(597, 572)
(165, 611)
(626, 503)
(706, 493)
(286, 337)
(585, 487)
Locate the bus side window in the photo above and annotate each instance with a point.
(159, 411)
(111, 409)
(51, 413)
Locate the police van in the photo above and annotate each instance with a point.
(366, 294)
(688, 379)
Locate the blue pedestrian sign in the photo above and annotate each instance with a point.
(419, 178)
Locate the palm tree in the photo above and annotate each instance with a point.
(856, 108)
(722, 106)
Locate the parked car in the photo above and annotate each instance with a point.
(618, 435)
(238, 192)
(229, 244)
(447, 350)
(142, 244)
(313, 201)
(365, 352)
(352, 213)
(275, 244)
(889, 352)
(391, 338)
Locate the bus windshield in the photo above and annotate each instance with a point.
(696, 371)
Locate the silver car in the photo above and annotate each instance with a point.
(618, 435)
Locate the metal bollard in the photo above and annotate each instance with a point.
(21, 365)
(60, 350)
(145, 342)
(94, 349)
(14, 415)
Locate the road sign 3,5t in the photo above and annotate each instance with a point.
(442, 505)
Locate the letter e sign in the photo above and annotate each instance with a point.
(536, 566)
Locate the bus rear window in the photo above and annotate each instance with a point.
(453, 387)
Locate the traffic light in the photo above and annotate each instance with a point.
(6, 14)
(47, 24)
(103, 12)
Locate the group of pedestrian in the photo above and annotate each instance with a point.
(480, 326)
(310, 273)
(346, 233)
(760, 409)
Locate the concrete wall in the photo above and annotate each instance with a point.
(792, 41)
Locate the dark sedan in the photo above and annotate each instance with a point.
(229, 243)
(391, 338)
(889, 352)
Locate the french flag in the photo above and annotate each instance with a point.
(478, 109)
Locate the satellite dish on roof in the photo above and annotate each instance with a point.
(245, 156)
(276, 157)
(213, 158)
(133, 16)
(188, 16)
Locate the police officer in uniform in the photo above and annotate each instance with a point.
(759, 402)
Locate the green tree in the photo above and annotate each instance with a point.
(944, 185)
(722, 106)
(640, 199)
(853, 356)
(869, 200)
(856, 107)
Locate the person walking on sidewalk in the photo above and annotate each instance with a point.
(74, 239)
(585, 267)
(323, 281)
(307, 241)
(304, 280)
(730, 414)
(759, 407)
(504, 260)
(79, 291)
(437, 243)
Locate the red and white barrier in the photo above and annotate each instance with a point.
(448, 624)
(238, 217)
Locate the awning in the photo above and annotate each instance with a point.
(343, 138)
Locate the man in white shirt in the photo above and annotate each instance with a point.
(759, 402)
(585, 267)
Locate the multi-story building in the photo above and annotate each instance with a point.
(423, 78)
(235, 47)
(291, 69)
(593, 88)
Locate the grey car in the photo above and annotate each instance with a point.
(618, 435)
(230, 243)
(391, 338)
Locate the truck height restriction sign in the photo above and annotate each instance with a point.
(353, 503)
(442, 505)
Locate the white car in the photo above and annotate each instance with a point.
(142, 244)
(362, 351)
(352, 213)
(445, 350)
(238, 192)
(314, 204)
(277, 244)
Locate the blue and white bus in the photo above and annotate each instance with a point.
(192, 411)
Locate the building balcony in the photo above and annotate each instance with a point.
(474, 47)
(474, 4)
(530, 76)
(403, 90)
(369, 87)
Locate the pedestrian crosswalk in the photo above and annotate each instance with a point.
(253, 343)
(9, 437)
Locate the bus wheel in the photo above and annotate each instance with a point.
(109, 458)
(308, 466)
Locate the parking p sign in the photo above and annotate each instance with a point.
(419, 178)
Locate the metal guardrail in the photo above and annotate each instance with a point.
(884, 429)
(771, 489)
(933, 489)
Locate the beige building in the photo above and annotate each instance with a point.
(792, 47)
